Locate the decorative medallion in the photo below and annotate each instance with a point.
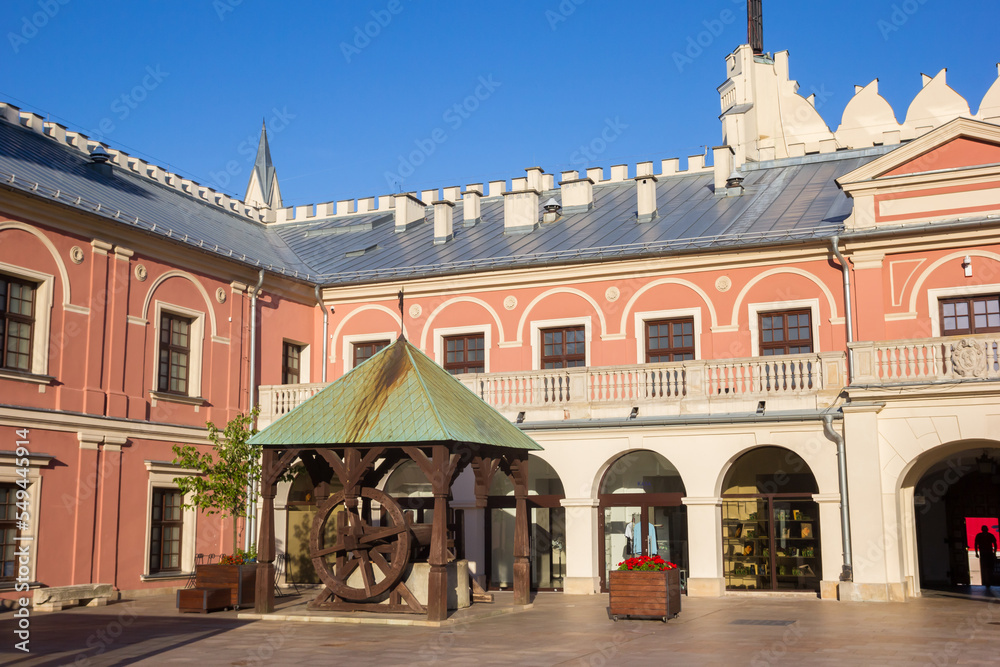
(415, 310)
(220, 295)
(140, 272)
(968, 358)
(723, 283)
(76, 254)
(510, 303)
(612, 294)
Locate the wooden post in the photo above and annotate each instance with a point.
(264, 597)
(437, 584)
(522, 563)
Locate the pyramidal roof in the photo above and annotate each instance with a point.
(398, 396)
(263, 168)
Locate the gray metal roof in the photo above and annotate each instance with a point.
(785, 202)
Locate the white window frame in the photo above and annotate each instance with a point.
(161, 475)
(197, 344)
(441, 334)
(938, 293)
(536, 342)
(351, 339)
(42, 324)
(755, 309)
(9, 474)
(304, 374)
(649, 316)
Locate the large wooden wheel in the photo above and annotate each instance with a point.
(358, 545)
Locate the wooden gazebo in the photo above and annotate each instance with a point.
(397, 405)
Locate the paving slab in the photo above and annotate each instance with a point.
(940, 628)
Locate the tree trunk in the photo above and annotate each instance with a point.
(235, 532)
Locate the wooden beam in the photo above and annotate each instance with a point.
(437, 584)
(264, 595)
(522, 561)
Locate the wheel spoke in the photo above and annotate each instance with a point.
(339, 546)
(344, 572)
(382, 563)
(382, 533)
(367, 576)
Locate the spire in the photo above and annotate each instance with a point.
(262, 190)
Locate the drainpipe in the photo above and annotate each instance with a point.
(845, 516)
(326, 324)
(251, 520)
(848, 320)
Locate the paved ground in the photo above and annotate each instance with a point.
(939, 629)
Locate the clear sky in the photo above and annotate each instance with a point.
(360, 97)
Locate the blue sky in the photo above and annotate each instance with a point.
(360, 97)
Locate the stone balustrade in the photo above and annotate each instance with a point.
(948, 359)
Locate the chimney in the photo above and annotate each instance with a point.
(443, 216)
(429, 196)
(722, 156)
(577, 193)
(520, 211)
(452, 193)
(470, 204)
(497, 188)
(619, 172)
(646, 194)
(409, 211)
(535, 178)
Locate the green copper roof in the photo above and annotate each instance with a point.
(397, 396)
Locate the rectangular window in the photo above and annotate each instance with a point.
(563, 347)
(175, 353)
(8, 531)
(291, 357)
(465, 354)
(17, 319)
(785, 332)
(165, 534)
(970, 315)
(670, 340)
(364, 351)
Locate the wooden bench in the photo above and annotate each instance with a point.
(58, 597)
(217, 587)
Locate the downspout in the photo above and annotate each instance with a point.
(848, 320)
(845, 516)
(251, 520)
(326, 324)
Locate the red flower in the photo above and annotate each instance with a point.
(646, 564)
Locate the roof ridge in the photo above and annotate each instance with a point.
(423, 386)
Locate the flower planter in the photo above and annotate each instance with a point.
(219, 586)
(645, 593)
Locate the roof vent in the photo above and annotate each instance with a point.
(551, 208)
(734, 184)
(99, 160)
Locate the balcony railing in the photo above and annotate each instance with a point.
(952, 358)
(707, 386)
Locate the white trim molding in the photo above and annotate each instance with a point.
(41, 327)
(754, 309)
(161, 475)
(197, 341)
(936, 294)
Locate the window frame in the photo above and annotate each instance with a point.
(196, 342)
(786, 342)
(452, 366)
(286, 371)
(348, 341)
(9, 318)
(441, 334)
(161, 476)
(754, 311)
(9, 524)
(168, 346)
(935, 294)
(166, 523)
(42, 321)
(354, 350)
(563, 358)
(10, 474)
(648, 317)
(537, 326)
(969, 299)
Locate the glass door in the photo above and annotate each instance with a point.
(620, 542)
(746, 562)
(547, 533)
(796, 545)
(770, 544)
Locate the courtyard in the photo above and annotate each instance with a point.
(941, 628)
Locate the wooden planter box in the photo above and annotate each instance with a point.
(636, 593)
(219, 586)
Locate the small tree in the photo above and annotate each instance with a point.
(222, 486)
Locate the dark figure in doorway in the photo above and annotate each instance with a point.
(986, 552)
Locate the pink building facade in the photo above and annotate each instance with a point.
(778, 370)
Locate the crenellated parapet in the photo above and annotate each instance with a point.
(765, 118)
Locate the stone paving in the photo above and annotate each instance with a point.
(941, 628)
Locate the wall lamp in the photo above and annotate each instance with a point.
(634, 413)
(520, 417)
(967, 265)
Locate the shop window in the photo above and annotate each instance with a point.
(166, 526)
(670, 340)
(563, 347)
(175, 354)
(785, 332)
(366, 350)
(291, 363)
(970, 315)
(17, 322)
(465, 354)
